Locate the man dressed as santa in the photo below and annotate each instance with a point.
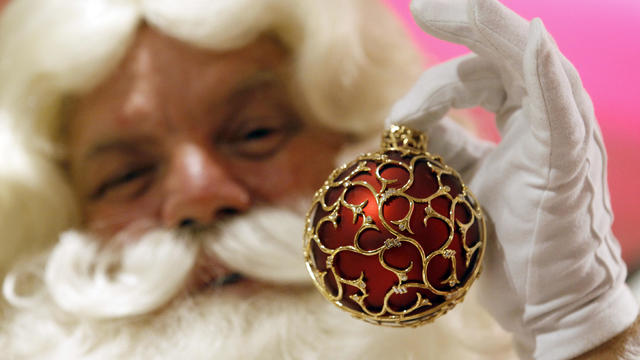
(158, 158)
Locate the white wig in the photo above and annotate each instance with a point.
(351, 62)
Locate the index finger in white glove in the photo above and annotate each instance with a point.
(485, 26)
(492, 31)
(471, 80)
(506, 40)
(460, 83)
(463, 82)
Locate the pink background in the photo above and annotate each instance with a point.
(602, 39)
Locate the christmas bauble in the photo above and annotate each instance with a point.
(395, 237)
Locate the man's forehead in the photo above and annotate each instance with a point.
(155, 57)
(146, 84)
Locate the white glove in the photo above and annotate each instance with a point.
(553, 274)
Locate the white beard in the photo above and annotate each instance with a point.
(129, 303)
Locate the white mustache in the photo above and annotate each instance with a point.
(266, 245)
(147, 272)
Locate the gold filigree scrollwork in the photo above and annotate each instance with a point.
(366, 174)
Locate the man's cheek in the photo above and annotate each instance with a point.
(268, 180)
(106, 219)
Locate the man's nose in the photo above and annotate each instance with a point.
(200, 189)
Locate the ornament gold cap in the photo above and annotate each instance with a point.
(399, 137)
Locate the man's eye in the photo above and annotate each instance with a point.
(260, 133)
(126, 185)
(261, 139)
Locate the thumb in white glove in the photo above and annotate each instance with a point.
(553, 272)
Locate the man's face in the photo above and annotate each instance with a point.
(185, 136)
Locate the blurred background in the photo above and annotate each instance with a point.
(602, 40)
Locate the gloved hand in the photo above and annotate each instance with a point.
(553, 275)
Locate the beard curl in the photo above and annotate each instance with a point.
(111, 282)
(132, 275)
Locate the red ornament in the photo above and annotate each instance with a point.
(395, 237)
